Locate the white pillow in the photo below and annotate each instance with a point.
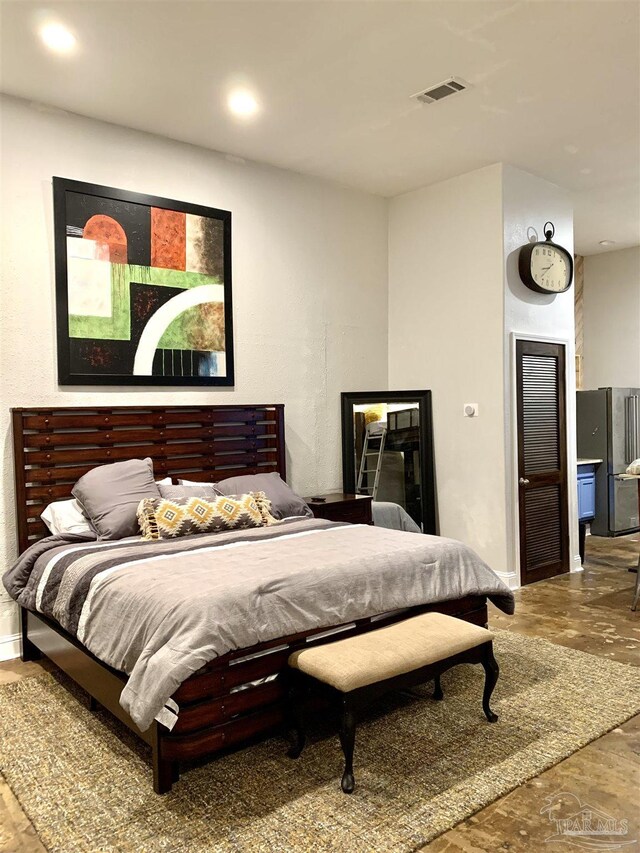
(67, 517)
(166, 482)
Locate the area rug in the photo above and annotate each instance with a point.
(421, 766)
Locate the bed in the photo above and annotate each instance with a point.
(240, 693)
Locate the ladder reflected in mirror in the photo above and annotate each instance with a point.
(369, 441)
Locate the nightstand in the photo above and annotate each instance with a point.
(337, 506)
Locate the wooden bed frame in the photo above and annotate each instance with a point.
(54, 447)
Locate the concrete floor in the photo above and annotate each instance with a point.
(587, 611)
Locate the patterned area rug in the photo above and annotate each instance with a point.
(421, 766)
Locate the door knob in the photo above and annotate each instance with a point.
(523, 482)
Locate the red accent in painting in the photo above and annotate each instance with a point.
(107, 232)
(99, 356)
(168, 239)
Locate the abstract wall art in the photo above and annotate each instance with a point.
(143, 289)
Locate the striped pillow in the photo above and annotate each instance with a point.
(163, 518)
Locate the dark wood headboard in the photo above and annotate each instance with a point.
(53, 447)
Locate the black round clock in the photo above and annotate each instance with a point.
(546, 267)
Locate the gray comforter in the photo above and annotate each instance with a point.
(393, 516)
(161, 610)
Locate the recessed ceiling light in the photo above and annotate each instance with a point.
(242, 103)
(58, 38)
(607, 242)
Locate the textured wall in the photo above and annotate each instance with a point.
(612, 319)
(455, 301)
(309, 283)
(446, 334)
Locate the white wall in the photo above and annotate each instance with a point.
(309, 284)
(446, 334)
(528, 202)
(455, 302)
(612, 319)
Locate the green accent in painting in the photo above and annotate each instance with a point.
(118, 326)
(198, 328)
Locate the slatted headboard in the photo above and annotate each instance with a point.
(53, 447)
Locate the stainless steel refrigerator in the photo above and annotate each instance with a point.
(609, 429)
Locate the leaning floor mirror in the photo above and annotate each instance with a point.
(387, 452)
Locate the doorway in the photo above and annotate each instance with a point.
(542, 460)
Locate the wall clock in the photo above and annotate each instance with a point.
(545, 266)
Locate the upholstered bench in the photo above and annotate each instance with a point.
(356, 670)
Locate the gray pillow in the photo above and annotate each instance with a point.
(110, 494)
(200, 491)
(284, 501)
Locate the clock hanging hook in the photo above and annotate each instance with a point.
(549, 232)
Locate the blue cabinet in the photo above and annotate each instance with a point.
(586, 491)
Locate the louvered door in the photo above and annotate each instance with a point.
(542, 460)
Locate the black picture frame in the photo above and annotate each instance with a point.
(68, 374)
(427, 461)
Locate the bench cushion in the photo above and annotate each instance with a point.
(394, 650)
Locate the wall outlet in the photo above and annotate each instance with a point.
(471, 410)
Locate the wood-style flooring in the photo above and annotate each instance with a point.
(589, 611)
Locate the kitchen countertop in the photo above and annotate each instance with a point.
(589, 461)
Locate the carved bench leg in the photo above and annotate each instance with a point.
(438, 695)
(347, 741)
(491, 672)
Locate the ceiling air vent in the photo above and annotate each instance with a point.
(449, 87)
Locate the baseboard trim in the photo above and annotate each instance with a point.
(510, 578)
(10, 647)
(577, 564)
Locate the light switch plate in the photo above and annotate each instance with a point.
(471, 410)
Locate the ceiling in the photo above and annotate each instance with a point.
(556, 88)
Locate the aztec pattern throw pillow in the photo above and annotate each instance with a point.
(162, 518)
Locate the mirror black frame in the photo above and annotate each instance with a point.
(427, 466)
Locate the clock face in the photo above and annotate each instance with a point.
(550, 268)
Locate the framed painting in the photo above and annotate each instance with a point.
(143, 289)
